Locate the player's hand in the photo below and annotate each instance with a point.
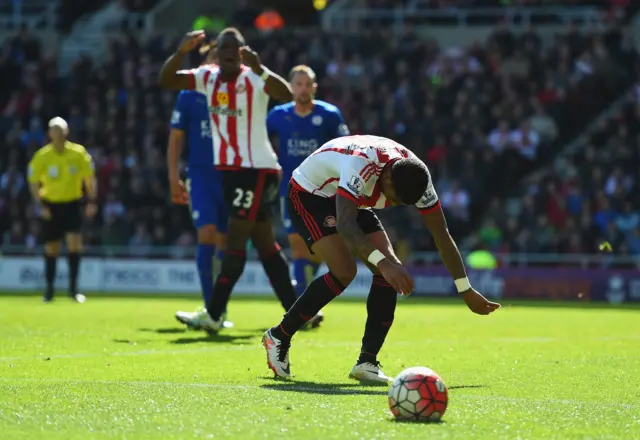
(397, 276)
(190, 41)
(91, 209)
(250, 58)
(478, 303)
(178, 192)
(45, 212)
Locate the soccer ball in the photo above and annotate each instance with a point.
(418, 394)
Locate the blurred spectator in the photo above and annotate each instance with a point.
(481, 117)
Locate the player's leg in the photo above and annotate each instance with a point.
(308, 215)
(381, 305)
(274, 262)
(52, 234)
(305, 265)
(201, 206)
(73, 226)
(231, 269)
(319, 293)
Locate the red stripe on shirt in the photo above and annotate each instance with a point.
(222, 153)
(344, 193)
(326, 182)
(232, 123)
(249, 92)
(430, 209)
(341, 151)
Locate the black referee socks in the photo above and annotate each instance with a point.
(50, 273)
(74, 268)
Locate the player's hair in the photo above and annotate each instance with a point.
(302, 68)
(410, 179)
(233, 31)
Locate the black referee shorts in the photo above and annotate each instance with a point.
(66, 218)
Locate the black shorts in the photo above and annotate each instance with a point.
(66, 218)
(250, 193)
(314, 217)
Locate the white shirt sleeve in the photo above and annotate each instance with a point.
(199, 77)
(353, 175)
(429, 201)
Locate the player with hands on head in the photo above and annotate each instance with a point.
(331, 200)
(299, 128)
(237, 95)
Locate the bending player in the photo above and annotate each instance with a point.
(203, 189)
(301, 127)
(330, 199)
(237, 95)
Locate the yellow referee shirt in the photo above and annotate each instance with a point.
(61, 174)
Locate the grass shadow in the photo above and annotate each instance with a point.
(418, 422)
(131, 341)
(344, 389)
(213, 338)
(462, 387)
(164, 331)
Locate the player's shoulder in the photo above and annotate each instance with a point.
(283, 108)
(280, 111)
(76, 148)
(325, 107)
(43, 151)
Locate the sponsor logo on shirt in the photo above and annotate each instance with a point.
(301, 147)
(226, 111)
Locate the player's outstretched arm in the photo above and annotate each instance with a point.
(277, 87)
(361, 247)
(437, 225)
(170, 78)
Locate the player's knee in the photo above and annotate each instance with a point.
(207, 235)
(52, 249)
(298, 248)
(269, 250)
(221, 241)
(345, 272)
(233, 265)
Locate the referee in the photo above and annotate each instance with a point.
(57, 172)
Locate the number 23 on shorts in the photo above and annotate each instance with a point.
(243, 198)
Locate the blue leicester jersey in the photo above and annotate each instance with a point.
(299, 136)
(191, 115)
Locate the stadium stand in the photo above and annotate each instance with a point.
(482, 117)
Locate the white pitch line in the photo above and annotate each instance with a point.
(245, 347)
(319, 390)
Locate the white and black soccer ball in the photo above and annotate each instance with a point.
(418, 393)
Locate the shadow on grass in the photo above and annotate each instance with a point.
(213, 338)
(418, 422)
(164, 331)
(462, 387)
(131, 341)
(345, 389)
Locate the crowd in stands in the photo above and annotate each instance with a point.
(481, 117)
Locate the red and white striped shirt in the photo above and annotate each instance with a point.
(238, 112)
(351, 167)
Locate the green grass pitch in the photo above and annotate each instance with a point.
(123, 368)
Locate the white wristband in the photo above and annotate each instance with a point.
(265, 74)
(375, 257)
(462, 284)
